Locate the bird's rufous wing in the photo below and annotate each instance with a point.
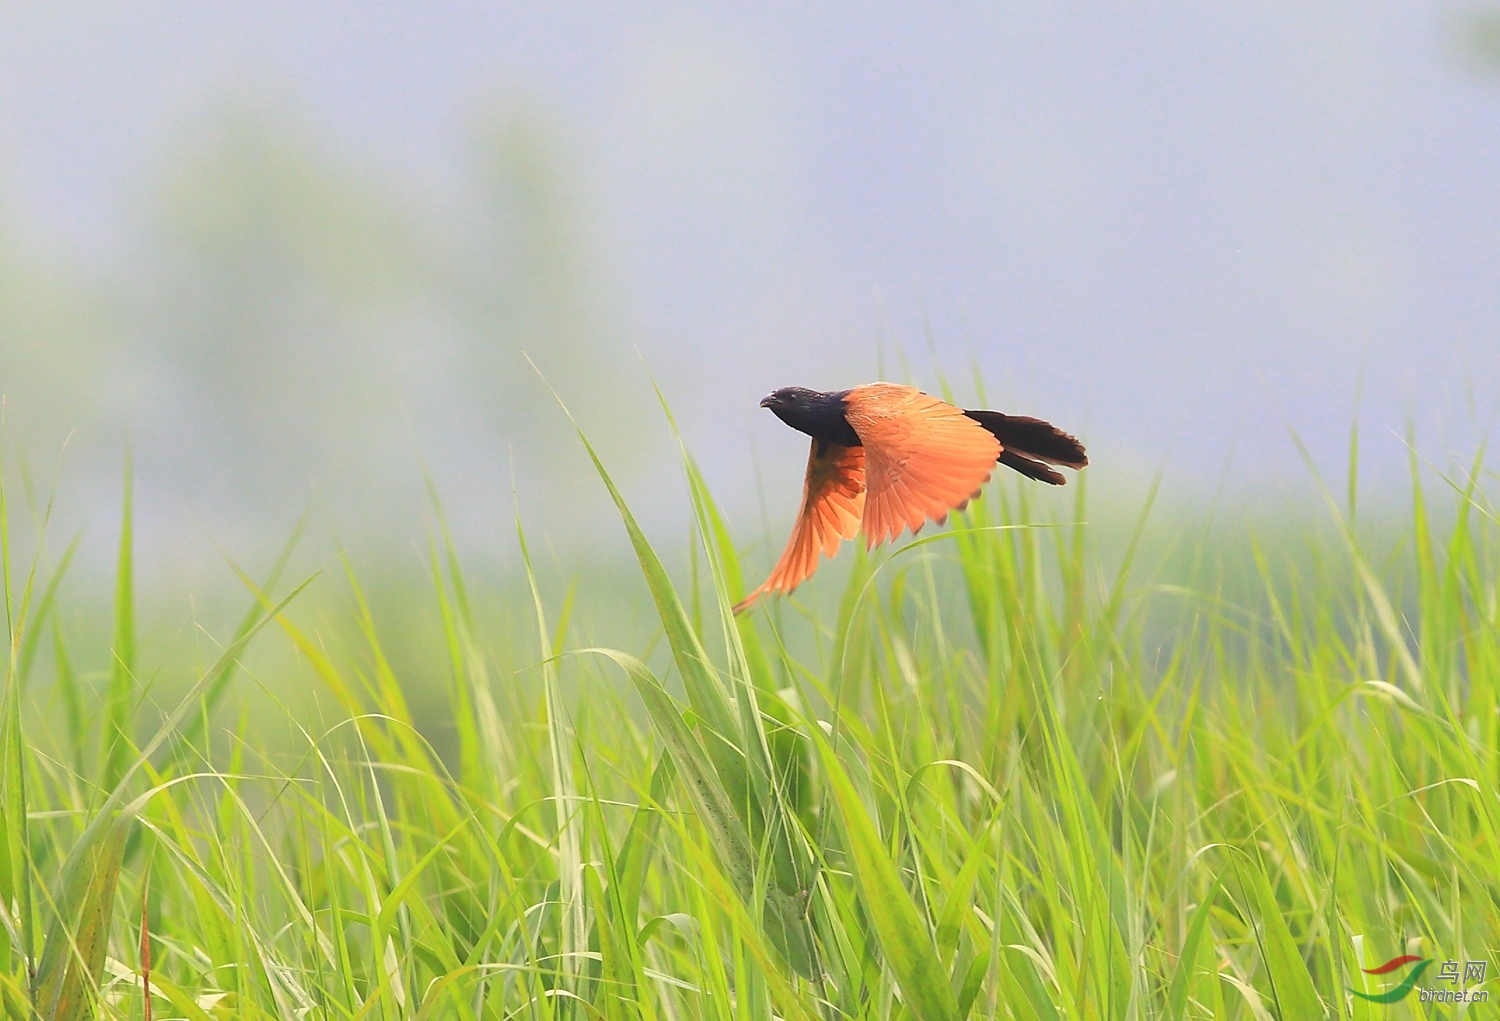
(833, 499)
(923, 457)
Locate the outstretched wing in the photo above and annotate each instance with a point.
(833, 499)
(923, 457)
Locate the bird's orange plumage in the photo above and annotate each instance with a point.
(833, 502)
(923, 457)
(918, 458)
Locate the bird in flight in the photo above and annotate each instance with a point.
(887, 457)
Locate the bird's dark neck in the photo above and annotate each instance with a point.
(822, 418)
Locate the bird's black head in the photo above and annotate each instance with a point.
(814, 412)
(793, 398)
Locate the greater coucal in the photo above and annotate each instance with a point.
(887, 457)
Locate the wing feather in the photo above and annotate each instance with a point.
(923, 457)
(833, 504)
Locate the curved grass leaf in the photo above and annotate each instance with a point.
(1291, 985)
(905, 941)
(1182, 979)
(68, 974)
(735, 744)
(73, 956)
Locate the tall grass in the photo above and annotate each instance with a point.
(1006, 782)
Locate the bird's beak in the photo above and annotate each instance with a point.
(769, 400)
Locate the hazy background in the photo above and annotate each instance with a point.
(289, 252)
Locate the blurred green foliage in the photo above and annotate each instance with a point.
(283, 326)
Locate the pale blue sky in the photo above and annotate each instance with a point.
(1178, 228)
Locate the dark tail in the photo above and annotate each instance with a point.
(1031, 445)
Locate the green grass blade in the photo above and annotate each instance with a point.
(1187, 963)
(700, 780)
(705, 693)
(214, 693)
(565, 799)
(635, 850)
(67, 980)
(78, 931)
(119, 702)
(905, 941)
(1291, 983)
(31, 640)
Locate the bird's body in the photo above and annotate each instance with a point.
(887, 457)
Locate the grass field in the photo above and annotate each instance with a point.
(1003, 780)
